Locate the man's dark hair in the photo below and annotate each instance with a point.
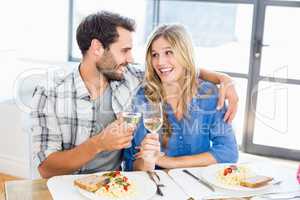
(103, 27)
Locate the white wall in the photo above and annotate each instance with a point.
(34, 31)
(13, 143)
(34, 34)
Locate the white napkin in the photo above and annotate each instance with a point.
(171, 189)
(198, 191)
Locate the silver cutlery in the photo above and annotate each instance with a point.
(276, 182)
(156, 179)
(285, 198)
(200, 180)
(264, 195)
(280, 195)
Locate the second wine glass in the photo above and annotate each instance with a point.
(152, 116)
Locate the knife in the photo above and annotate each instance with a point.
(199, 180)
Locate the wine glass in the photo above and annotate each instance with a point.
(153, 121)
(152, 116)
(130, 113)
(131, 116)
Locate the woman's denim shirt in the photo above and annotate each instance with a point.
(201, 130)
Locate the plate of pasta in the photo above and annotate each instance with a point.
(116, 185)
(236, 177)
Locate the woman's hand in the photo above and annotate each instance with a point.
(164, 162)
(149, 150)
(227, 91)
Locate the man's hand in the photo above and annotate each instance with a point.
(227, 91)
(150, 148)
(115, 136)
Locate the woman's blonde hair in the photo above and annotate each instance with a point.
(182, 47)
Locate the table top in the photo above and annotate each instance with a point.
(27, 189)
(37, 189)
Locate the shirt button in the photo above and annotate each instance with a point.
(180, 137)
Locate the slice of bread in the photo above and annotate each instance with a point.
(256, 181)
(91, 183)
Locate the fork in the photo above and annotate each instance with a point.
(157, 176)
(156, 179)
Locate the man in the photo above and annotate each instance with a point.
(75, 126)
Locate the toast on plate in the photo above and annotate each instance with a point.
(91, 183)
(256, 181)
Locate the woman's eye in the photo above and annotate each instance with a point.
(154, 55)
(169, 52)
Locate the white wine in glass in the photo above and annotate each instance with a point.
(131, 118)
(153, 124)
(152, 116)
(153, 121)
(130, 113)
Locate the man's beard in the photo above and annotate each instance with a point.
(108, 67)
(112, 75)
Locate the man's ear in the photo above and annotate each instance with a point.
(97, 47)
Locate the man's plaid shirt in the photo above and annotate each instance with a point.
(63, 116)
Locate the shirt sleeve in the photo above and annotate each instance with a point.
(224, 146)
(46, 135)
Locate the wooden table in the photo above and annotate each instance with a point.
(27, 189)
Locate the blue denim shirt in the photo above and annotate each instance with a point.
(201, 130)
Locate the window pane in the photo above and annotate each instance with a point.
(277, 121)
(141, 12)
(221, 31)
(281, 33)
(238, 122)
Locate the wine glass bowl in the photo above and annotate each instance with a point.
(153, 124)
(152, 116)
(131, 118)
(153, 121)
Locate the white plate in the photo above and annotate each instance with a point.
(145, 188)
(210, 174)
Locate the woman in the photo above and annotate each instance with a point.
(194, 132)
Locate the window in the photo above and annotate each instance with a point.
(276, 82)
(220, 28)
(256, 42)
(141, 12)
